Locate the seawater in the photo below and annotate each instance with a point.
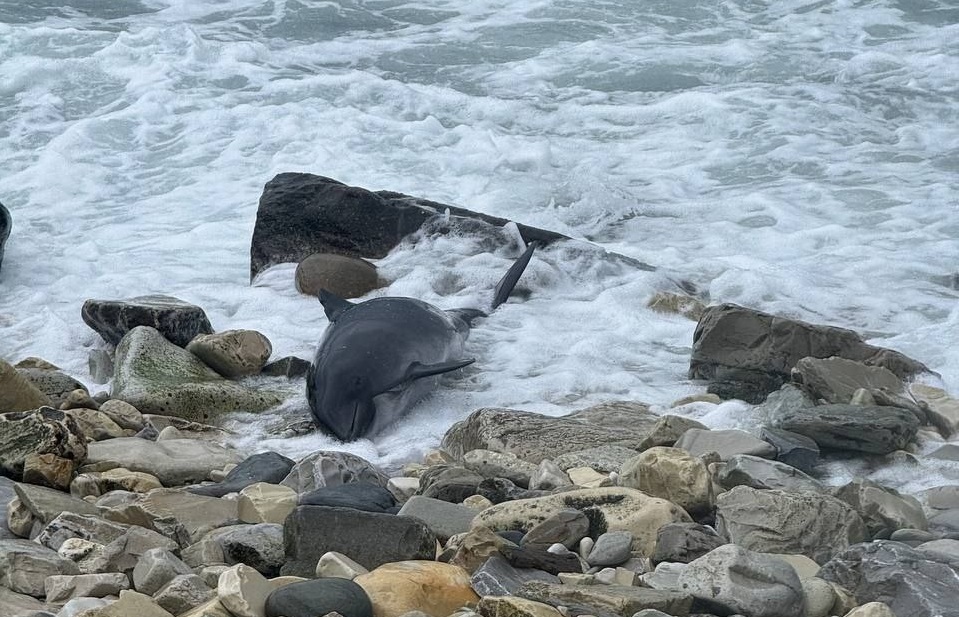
(797, 157)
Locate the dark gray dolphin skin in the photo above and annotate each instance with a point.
(378, 358)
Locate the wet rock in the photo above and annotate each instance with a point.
(533, 437)
(174, 461)
(176, 320)
(608, 509)
(615, 599)
(883, 509)
(745, 470)
(450, 483)
(726, 443)
(330, 468)
(443, 518)
(290, 367)
(356, 495)
(319, 597)
(347, 277)
(432, 587)
(792, 448)
(267, 467)
(496, 577)
(672, 474)
(266, 503)
(685, 542)
(566, 527)
(750, 353)
(668, 302)
(156, 376)
(772, 521)
(490, 464)
(125, 415)
(302, 214)
(24, 566)
(872, 429)
(942, 409)
(668, 430)
(232, 353)
(835, 380)
(731, 579)
(100, 365)
(497, 490)
(6, 224)
(44, 431)
(371, 539)
(910, 582)
(549, 560)
(79, 399)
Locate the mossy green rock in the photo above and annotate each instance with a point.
(156, 376)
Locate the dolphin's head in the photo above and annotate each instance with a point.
(342, 404)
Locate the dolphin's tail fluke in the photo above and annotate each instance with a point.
(505, 287)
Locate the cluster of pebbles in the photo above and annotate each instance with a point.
(132, 503)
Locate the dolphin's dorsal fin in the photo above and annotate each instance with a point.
(333, 305)
(505, 287)
(418, 370)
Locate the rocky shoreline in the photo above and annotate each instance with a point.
(132, 502)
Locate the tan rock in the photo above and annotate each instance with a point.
(37, 363)
(705, 397)
(402, 488)
(130, 604)
(17, 393)
(266, 503)
(616, 508)
(347, 277)
(77, 399)
(871, 609)
(678, 304)
(509, 606)
(670, 473)
(338, 565)
(154, 510)
(432, 587)
(819, 597)
(48, 470)
(943, 409)
(804, 566)
(213, 608)
(588, 477)
(232, 353)
(472, 549)
(96, 425)
(20, 519)
(243, 591)
(123, 414)
(477, 502)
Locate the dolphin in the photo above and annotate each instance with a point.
(379, 357)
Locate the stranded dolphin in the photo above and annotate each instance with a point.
(377, 358)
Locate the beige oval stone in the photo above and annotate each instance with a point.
(670, 473)
(266, 503)
(432, 587)
(347, 277)
(610, 509)
(232, 353)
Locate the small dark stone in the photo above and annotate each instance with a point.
(792, 448)
(685, 542)
(540, 559)
(264, 467)
(289, 367)
(513, 535)
(449, 483)
(175, 319)
(319, 597)
(356, 495)
(499, 490)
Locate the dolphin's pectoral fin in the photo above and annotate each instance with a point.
(333, 305)
(418, 370)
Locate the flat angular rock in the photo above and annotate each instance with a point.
(835, 380)
(13, 603)
(746, 351)
(182, 593)
(156, 376)
(43, 431)
(508, 606)
(726, 443)
(347, 277)
(429, 586)
(496, 577)
(910, 582)
(331, 468)
(69, 525)
(124, 553)
(130, 604)
(267, 467)
(756, 472)
(7, 495)
(356, 495)
(685, 542)
(301, 214)
(45, 504)
(772, 521)
(17, 393)
(608, 509)
(60, 588)
(338, 565)
(243, 591)
(672, 474)
(454, 484)
(617, 599)
(232, 353)
(174, 461)
(156, 568)
(24, 566)
(258, 546)
(863, 428)
(883, 509)
(601, 458)
(731, 579)
(668, 430)
(942, 409)
(178, 321)
(370, 539)
(266, 503)
(792, 448)
(549, 560)
(566, 527)
(164, 509)
(95, 484)
(123, 414)
(443, 518)
(533, 437)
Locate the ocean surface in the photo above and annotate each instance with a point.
(797, 157)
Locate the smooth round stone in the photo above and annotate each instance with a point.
(611, 549)
(319, 597)
(347, 277)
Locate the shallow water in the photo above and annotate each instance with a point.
(797, 157)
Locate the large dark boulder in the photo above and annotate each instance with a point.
(6, 223)
(369, 538)
(356, 495)
(860, 428)
(911, 582)
(176, 320)
(302, 214)
(319, 597)
(748, 354)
